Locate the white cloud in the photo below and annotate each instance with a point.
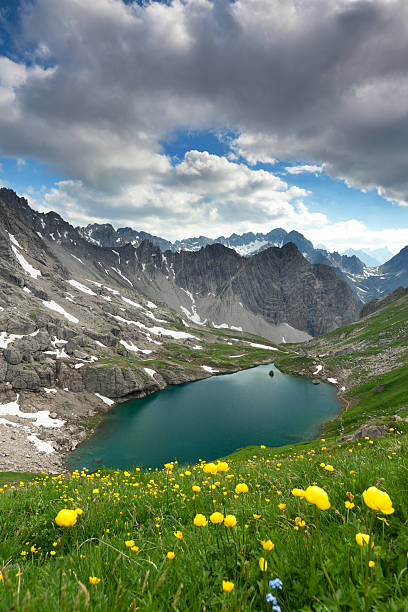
(106, 82)
(203, 192)
(355, 234)
(313, 169)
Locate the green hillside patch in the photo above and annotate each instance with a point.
(368, 404)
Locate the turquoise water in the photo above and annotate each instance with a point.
(208, 419)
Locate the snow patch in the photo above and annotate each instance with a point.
(209, 369)
(332, 380)
(81, 287)
(131, 302)
(6, 339)
(43, 447)
(40, 418)
(263, 346)
(50, 390)
(106, 400)
(251, 247)
(122, 275)
(226, 326)
(54, 306)
(14, 241)
(132, 347)
(33, 272)
(77, 258)
(150, 372)
(318, 369)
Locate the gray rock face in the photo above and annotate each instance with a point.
(112, 382)
(12, 356)
(379, 303)
(69, 378)
(22, 378)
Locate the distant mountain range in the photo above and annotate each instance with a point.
(371, 257)
(359, 268)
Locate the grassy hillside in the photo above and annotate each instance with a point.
(369, 357)
(49, 567)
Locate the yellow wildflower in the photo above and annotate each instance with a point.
(263, 564)
(281, 506)
(298, 493)
(179, 535)
(210, 468)
(170, 554)
(66, 518)
(230, 520)
(216, 518)
(378, 500)
(94, 580)
(227, 586)
(241, 488)
(362, 539)
(349, 505)
(267, 544)
(317, 496)
(200, 520)
(129, 543)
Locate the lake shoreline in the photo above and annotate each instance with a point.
(307, 420)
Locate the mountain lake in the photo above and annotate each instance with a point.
(208, 419)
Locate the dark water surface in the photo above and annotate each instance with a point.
(208, 419)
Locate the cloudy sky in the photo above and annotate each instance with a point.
(210, 117)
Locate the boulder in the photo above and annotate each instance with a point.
(20, 325)
(369, 431)
(25, 379)
(46, 376)
(12, 356)
(70, 347)
(112, 381)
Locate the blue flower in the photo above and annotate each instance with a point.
(271, 599)
(276, 608)
(276, 583)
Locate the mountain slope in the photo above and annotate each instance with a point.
(367, 360)
(200, 285)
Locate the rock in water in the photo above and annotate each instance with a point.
(271, 373)
(315, 381)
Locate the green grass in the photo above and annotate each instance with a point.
(149, 506)
(13, 477)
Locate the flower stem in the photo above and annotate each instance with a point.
(319, 546)
(366, 598)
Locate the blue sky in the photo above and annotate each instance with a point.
(186, 118)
